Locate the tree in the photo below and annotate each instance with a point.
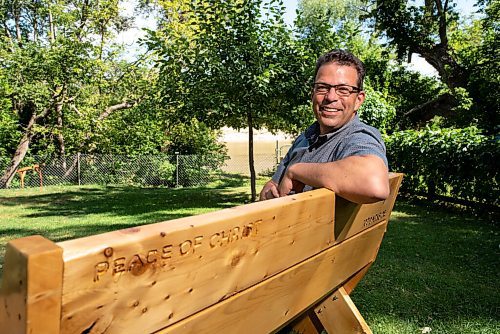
(322, 25)
(51, 53)
(433, 30)
(476, 43)
(232, 63)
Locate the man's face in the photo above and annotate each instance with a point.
(333, 111)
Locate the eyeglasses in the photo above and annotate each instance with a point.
(341, 90)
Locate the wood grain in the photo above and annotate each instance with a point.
(352, 218)
(267, 305)
(339, 315)
(142, 279)
(248, 269)
(306, 324)
(30, 296)
(356, 278)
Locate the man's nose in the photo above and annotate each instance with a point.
(332, 94)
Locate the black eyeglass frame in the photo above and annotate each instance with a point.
(354, 88)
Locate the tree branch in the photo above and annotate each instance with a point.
(424, 112)
(83, 21)
(51, 29)
(112, 109)
(72, 106)
(442, 22)
(17, 17)
(9, 37)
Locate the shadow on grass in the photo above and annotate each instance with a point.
(127, 200)
(103, 209)
(434, 268)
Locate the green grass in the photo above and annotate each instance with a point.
(435, 268)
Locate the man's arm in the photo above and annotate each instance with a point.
(360, 178)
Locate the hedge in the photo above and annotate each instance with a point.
(458, 164)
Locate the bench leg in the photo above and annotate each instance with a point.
(339, 315)
(307, 323)
(21, 175)
(39, 171)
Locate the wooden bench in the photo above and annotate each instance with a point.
(249, 269)
(22, 173)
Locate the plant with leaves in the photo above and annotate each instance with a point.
(476, 43)
(376, 110)
(55, 61)
(464, 57)
(459, 163)
(235, 64)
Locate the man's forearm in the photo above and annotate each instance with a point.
(360, 179)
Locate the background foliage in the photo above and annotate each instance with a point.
(459, 163)
(67, 86)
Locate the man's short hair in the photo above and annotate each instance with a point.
(345, 58)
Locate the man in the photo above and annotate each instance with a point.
(338, 151)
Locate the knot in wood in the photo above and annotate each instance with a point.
(108, 252)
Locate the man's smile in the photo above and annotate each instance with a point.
(329, 111)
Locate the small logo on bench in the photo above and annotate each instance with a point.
(369, 221)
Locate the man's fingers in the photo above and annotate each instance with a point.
(274, 191)
(269, 191)
(284, 189)
(263, 195)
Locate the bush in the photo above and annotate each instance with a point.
(376, 111)
(199, 170)
(200, 154)
(166, 171)
(461, 163)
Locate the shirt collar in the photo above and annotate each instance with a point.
(312, 133)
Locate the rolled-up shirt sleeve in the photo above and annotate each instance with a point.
(366, 142)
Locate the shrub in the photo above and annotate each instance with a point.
(376, 111)
(461, 163)
(166, 171)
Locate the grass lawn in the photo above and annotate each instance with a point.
(435, 269)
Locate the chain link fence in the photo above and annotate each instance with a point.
(143, 170)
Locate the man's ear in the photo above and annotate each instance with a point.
(360, 98)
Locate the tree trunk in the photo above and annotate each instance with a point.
(440, 106)
(453, 74)
(25, 141)
(60, 136)
(18, 157)
(250, 156)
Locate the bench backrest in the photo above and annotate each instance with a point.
(248, 269)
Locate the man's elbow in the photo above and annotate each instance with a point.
(370, 191)
(378, 189)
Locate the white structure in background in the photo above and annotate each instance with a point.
(268, 149)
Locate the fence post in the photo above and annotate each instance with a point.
(176, 169)
(78, 167)
(277, 153)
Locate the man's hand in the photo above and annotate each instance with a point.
(269, 191)
(288, 184)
